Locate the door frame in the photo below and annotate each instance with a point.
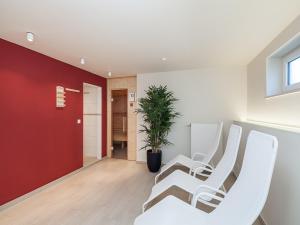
(111, 118)
(99, 126)
(129, 83)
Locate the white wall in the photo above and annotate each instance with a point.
(205, 95)
(282, 207)
(283, 202)
(283, 109)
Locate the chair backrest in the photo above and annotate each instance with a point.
(207, 142)
(246, 199)
(226, 164)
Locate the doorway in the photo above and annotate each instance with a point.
(119, 123)
(92, 124)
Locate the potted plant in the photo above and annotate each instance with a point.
(158, 114)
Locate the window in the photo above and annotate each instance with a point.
(293, 74)
(283, 69)
(291, 65)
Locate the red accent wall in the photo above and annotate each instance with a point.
(39, 142)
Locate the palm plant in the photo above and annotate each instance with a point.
(158, 114)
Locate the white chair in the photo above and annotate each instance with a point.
(198, 159)
(244, 201)
(215, 179)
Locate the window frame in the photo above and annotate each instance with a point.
(290, 57)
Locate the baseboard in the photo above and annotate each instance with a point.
(38, 190)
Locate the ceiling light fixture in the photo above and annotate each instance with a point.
(164, 59)
(109, 74)
(30, 36)
(82, 61)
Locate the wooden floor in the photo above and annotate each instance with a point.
(88, 160)
(110, 192)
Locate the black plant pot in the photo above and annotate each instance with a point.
(153, 161)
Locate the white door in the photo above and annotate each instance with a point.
(92, 121)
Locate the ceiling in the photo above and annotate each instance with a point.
(132, 36)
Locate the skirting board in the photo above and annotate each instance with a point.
(30, 194)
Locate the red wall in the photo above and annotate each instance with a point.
(39, 142)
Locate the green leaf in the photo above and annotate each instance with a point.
(158, 114)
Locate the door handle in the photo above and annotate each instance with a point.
(124, 118)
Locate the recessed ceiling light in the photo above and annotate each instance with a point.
(109, 74)
(82, 61)
(164, 59)
(30, 36)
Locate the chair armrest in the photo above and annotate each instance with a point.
(202, 168)
(198, 164)
(202, 174)
(202, 194)
(200, 198)
(203, 164)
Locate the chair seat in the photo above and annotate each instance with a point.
(179, 160)
(190, 162)
(179, 213)
(179, 179)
